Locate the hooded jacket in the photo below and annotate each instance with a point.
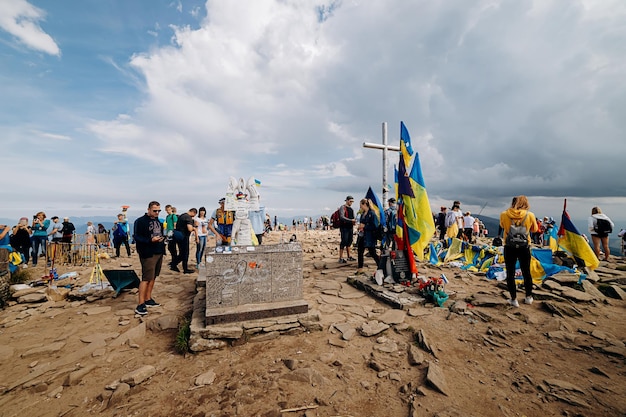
(515, 215)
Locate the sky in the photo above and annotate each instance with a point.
(111, 103)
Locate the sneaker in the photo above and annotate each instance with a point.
(188, 271)
(152, 303)
(514, 303)
(528, 300)
(342, 261)
(174, 268)
(351, 259)
(141, 310)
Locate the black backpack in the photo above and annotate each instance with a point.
(603, 227)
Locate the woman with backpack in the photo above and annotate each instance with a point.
(600, 226)
(518, 222)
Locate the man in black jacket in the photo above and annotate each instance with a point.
(148, 234)
(184, 228)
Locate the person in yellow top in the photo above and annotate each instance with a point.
(517, 246)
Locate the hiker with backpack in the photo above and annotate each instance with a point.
(391, 217)
(517, 222)
(120, 235)
(346, 229)
(367, 239)
(600, 227)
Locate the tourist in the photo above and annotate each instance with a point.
(391, 218)
(20, 240)
(184, 229)
(468, 226)
(201, 224)
(56, 233)
(368, 223)
(170, 224)
(520, 215)
(68, 230)
(40, 234)
(148, 235)
(600, 226)
(347, 221)
(221, 224)
(120, 235)
(441, 223)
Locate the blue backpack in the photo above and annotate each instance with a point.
(119, 231)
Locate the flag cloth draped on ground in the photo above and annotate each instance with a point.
(572, 241)
(418, 224)
(375, 206)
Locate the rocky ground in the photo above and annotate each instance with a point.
(475, 356)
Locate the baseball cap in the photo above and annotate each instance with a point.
(349, 198)
(222, 200)
(391, 200)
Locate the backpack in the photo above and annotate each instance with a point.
(391, 219)
(518, 235)
(335, 220)
(119, 231)
(603, 227)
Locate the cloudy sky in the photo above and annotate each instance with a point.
(105, 103)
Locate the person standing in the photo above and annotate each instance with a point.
(441, 222)
(600, 226)
(202, 231)
(514, 251)
(170, 222)
(391, 217)
(40, 234)
(120, 235)
(149, 239)
(468, 226)
(452, 226)
(368, 223)
(221, 224)
(346, 227)
(56, 233)
(184, 229)
(20, 239)
(68, 230)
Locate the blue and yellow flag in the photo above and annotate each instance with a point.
(572, 241)
(375, 205)
(417, 216)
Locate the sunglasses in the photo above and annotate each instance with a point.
(156, 211)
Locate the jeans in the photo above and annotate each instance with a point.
(38, 241)
(183, 252)
(200, 246)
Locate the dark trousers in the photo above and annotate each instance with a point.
(118, 242)
(171, 247)
(511, 256)
(38, 241)
(183, 253)
(360, 246)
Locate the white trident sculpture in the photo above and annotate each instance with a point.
(241, 197)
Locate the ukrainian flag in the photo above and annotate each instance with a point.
(572, 241)
(418, 217)
(375, 205)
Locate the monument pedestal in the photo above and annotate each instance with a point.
(243, 284)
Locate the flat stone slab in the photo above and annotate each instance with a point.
(576, 295)
(254, 311)
(399, 300)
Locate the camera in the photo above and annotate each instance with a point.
(34, 217)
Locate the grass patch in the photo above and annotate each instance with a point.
(181, 344)
(20, 276)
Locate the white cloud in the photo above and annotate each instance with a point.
(21, 19)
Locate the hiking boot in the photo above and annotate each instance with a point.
(514, 303)
(152, 303)
(350, 258)
(174, 268)
(141, 310)
(342, 261)
(528, 300)
(188, 271)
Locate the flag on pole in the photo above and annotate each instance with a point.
(572, 241)
(376, 207)
(257, 182)
(419, 225)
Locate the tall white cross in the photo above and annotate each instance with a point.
(385, 148)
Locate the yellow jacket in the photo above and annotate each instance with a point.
(515, 215)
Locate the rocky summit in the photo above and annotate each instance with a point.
(78, 349)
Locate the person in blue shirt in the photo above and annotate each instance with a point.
(40, 234)
(120, 235)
